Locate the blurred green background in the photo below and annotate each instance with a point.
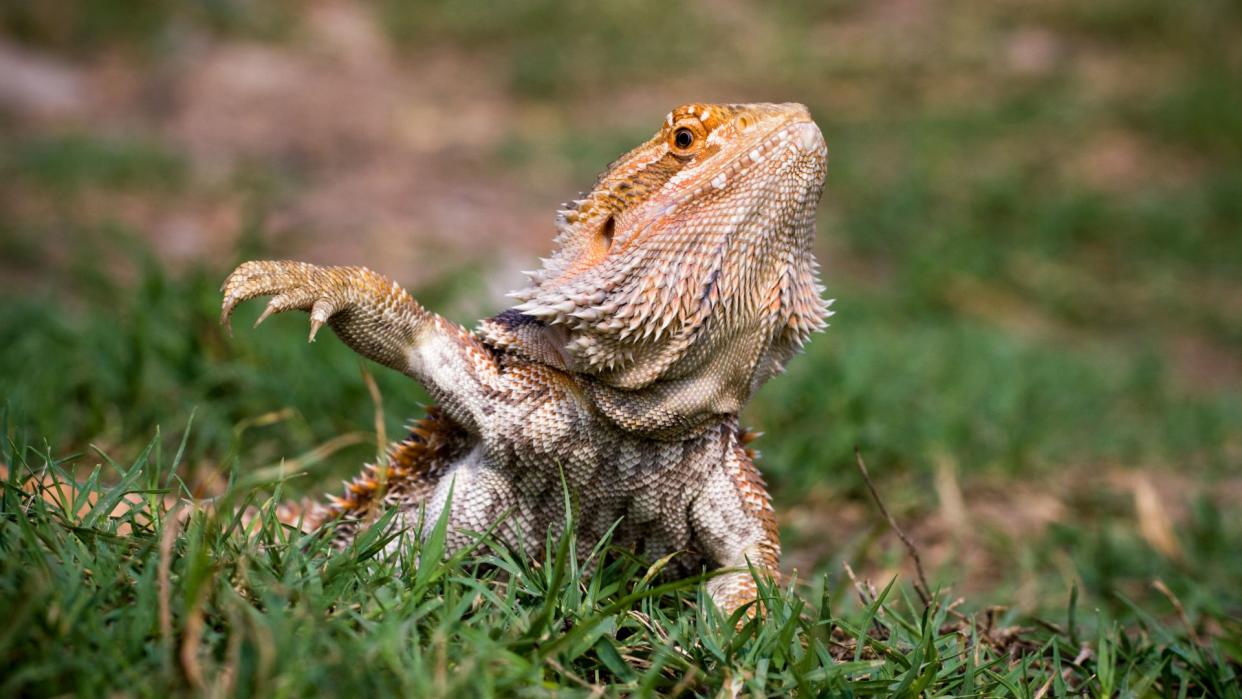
(1032, 225)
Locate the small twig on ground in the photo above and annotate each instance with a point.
(920, 586)
(866, 593)
(862, 591)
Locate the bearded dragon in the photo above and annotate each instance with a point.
(679, 284)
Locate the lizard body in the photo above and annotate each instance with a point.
(679, 285)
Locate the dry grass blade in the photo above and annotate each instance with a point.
(595, 690)
(377, 400)
(190, 641)
(1181, 610)
(172, 526)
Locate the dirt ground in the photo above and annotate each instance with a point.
(390, 160)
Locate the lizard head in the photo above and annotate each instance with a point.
(691, 256)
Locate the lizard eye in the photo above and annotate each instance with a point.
(686, 139)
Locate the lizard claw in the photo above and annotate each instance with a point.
(226, 312)
(273, 306)
(320, 313)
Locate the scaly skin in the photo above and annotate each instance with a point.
(680, 284)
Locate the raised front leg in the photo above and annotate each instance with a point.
(733, 522)
(380, 321)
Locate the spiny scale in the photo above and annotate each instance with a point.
(432, 442)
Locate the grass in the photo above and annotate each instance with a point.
(69, 163)
(151, 601)
(274, 613)
(1036, 257)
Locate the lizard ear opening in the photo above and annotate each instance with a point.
(598, 245)
(606, 232)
